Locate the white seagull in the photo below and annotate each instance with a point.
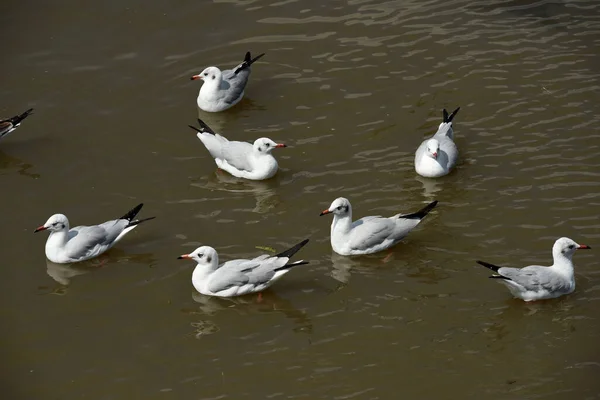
(81, 243)
(240, 159)
(10, 124)
(224, 89)
(536, 282)
(437, 155)
(239, 277)
(369, 234)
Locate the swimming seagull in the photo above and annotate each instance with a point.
(224, 89)
(240, 159)
(241, 276)
(81, 243)
(369, 234)
(437, 155)
(536, 282)
(10, 124)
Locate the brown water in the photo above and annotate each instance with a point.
(352, 87)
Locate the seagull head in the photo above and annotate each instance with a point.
(266, 145)
(209, 74)
(567, 247)
(340, 206)
(204, 255)
(433, 148)
(56, 223)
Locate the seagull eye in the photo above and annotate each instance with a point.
(206, 74)
(200, 255)
(267, 144)
(572, 246)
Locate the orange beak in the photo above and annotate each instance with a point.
(40, 228)
(184, 256)
(324, 212)
(280, 145)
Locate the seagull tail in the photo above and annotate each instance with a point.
(138, 221)
(449, 118)
(204, 128)
(291, 265)
(291, 251)
(18, 118)
(131, 215)
(248, 61)
(422, 212)
(494, 268)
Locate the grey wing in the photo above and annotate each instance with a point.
(234, 84)
(232, 273)
(445, 130)
(449, 148)
(370, 231)
(237, 154)
(84, 240)
(535, 278)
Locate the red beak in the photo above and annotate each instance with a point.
(324, 212)
(184, 256)
(40, 228)
(280, 145)
(584, 247)
(193, 78)
(435, 155)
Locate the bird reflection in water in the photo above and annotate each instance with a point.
(266, 302)
(265, 192)
(63, 273)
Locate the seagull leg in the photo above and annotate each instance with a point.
(388, 257)
(259, 298)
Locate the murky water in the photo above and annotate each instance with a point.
(352, 87)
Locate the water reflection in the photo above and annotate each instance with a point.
(430, 187)
(218, 121)
(265, 192)
(266, 302)
(63, 273)
(11, 163)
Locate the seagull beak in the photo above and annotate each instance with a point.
(195, 77)
(583, 247)
(280, 145)
(435, 155)
(40, 228)
(324, 212)
(184, 256)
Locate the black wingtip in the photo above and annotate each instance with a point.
(248, 61)
(18, 118)
(139, 221)
(292, 265)
(449, 118)
(493, 267)
(293, 250)
(194, 128)
(422, 212)
(133, 212)
(205, 127)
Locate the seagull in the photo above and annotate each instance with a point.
(536, 282)
(224, 89)
(10, 124)
(437, 156)
(369, 234)
(239, 277)
(240, 159)
(81, 243)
